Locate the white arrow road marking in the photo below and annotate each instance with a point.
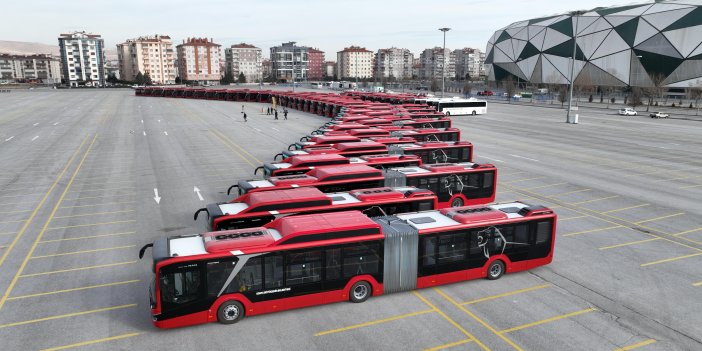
(144, 133)
(165, 132)
(35, 138)
(526, 158)
(197, 191)
(10, 138)
(36, 124)
(156, 197)
(142, 121)
(56, 123)
(159, 121)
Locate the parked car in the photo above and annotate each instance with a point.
(659, 114)
(486, 93)
(627, 112)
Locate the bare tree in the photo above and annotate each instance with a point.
(636, 95)
(655, 91)
(509, 86)
(583, 83)
(696, 94)
(467, 88)
(434, 86)
(562, 94)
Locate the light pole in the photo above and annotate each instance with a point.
(443, 64)
(572, 64)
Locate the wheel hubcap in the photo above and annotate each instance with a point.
(495, 270)
(360, 292)
(231, 312)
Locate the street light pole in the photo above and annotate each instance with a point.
(443, 64)
(572, 64)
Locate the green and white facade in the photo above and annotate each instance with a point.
(631, 45)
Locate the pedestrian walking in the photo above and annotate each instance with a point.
(268, 111)
(244, 116)
(285, 113)
(276, 114)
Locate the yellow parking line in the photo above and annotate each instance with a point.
(100, 197)
(104, 204)
(448, 319)
(594, 200)
(593, 230)
(2, 247)
(697, 284)
(378, 321)
(547, 320)
(569, 218)
(20, 211)
(523, 180)
(41, 203)
(472, 315)
(671, 259)
(8, 233)
(570, 192)
(15, 221)
(626, 208)
(91, 224)
(78, 269)
(637, 345)
(21, 195)
(95, 214)
(109, 189)
(629, 243)
(545, 186)
(661, 217)
(505, 294)
(446, 346)
(108, 183)
(688, 231)
(691, 186)
(231, 147)
(67, 315)
(84, 251)
(90, 342)
(86, 237)
(73, 289)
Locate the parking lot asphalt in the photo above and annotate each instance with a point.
(90, 176)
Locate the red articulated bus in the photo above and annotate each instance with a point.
(299, 164)
(455, 184)
(343, 149)
(313, 259)
(424, 123)
(430, 134)
(259, 208)
(436, 152)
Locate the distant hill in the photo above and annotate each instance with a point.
(24, 48)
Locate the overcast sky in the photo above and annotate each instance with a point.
(329, 25)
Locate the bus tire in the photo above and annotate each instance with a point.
(457, 202)
(448, 113)
(495, 270)
(230, 312)
(474, 113)
(359, 292)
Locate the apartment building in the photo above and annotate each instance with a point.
(290, 62)
(354, 62)
(38, 68)
(152, 55)
(432, 62)
(394, 62)
(330, 68)
(199, 60)
(469, 63)
(316, 64)
(82, 59)
(244, 58)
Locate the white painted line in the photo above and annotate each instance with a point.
(197, 191)
(10, 138)
(144, 133)
(165, 132)
(258, 130)
(156, 197)
(526, 158)
(142, 121)
(36, 124)
(159, 121)
(276, 129)
(491, 159)
(56, 123)
(35, 138)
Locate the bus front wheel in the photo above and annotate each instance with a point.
(457, 202)
(360, 292)
(474, 113)
(496, 270)
(230, 312)
(448, 113)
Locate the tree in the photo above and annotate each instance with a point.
(636, 95)
(112, 78)
(178, 80)
(147, 79)
(656, 90)
(583, 83)
(139, 79)
(509, 86)
(562, 94)
(467, 88)
(228, 78)
(468, 76)
(434, 86)
(242, 78)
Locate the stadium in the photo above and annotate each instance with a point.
(643, 45)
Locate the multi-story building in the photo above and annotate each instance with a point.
(39, 68)
(152, 55)
(432, 63)
(290, 62)
(199, 60)
(394, 62)
(266, 69)
(246, 59)
(316, 58)
(330, 69)
(354, 62)
(82, 59)
(416, 67)
(469, 63)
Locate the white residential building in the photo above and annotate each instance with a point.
(469, 62)
(394, 62)
(354, 62)
(290, 62)
(82, 59)
(152, 55)
(244, 58)
(199, 60)
(45, 69)
(432, 63)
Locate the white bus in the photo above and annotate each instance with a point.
(457, 107)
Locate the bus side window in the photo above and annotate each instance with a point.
(249, 277)
(521, 234)
(543, 232)
(452, 248)
(360, 259)
(180, 286)
(273, 271)
(217, 274)
(304, 267)
(429, 257)
(333, 264)
(488, 180)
